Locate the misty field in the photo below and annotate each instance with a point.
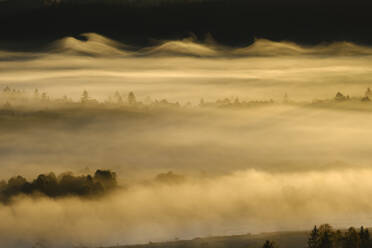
(201, 139)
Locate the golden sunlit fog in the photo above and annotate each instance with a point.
(204, 139)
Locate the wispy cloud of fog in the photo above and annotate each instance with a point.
(276, 138)
(89, 44)
(97, 45)
(246, 201)
(187, 71)
(94, 44)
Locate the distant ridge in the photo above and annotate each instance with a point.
(98, 45)
(290, 239)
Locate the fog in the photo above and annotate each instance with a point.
(235, 154)
(245, 201)
(187, 71)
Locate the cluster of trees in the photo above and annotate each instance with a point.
(234, 103)
(366, 98)
(326, 237)
(10, 98)
(170, 178)
(269, 244)
(64, 185)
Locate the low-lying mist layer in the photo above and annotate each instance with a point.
(186, 70)
(274, 136)
(139, 139)
(245, 201)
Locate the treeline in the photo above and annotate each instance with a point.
(13, 100)
(54, 186)
(325, 236)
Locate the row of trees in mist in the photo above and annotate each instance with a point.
(11, 98)
(54, 186)
(325, 236)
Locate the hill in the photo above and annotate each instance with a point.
(291, 239)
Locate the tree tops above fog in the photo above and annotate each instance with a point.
(11, 99)
(54, 186)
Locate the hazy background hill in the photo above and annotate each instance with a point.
(282, 239)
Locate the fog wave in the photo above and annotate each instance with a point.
(93, 44)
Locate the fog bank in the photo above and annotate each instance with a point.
(245, 201)
(274, 136)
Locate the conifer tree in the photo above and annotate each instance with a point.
(268, 244)
(313, 241)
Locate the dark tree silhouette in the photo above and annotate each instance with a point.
(268, 244)
(131, 98)
(85, 97)
(64, 185)
(326, 233)
(351, 239)
(365, 239)
(313, 241)
(326, 237)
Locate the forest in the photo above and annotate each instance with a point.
(65, 184)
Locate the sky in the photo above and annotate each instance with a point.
(234, 23)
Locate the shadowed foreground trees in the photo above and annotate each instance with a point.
(326, 237)
(64, 185)
(269, 244)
